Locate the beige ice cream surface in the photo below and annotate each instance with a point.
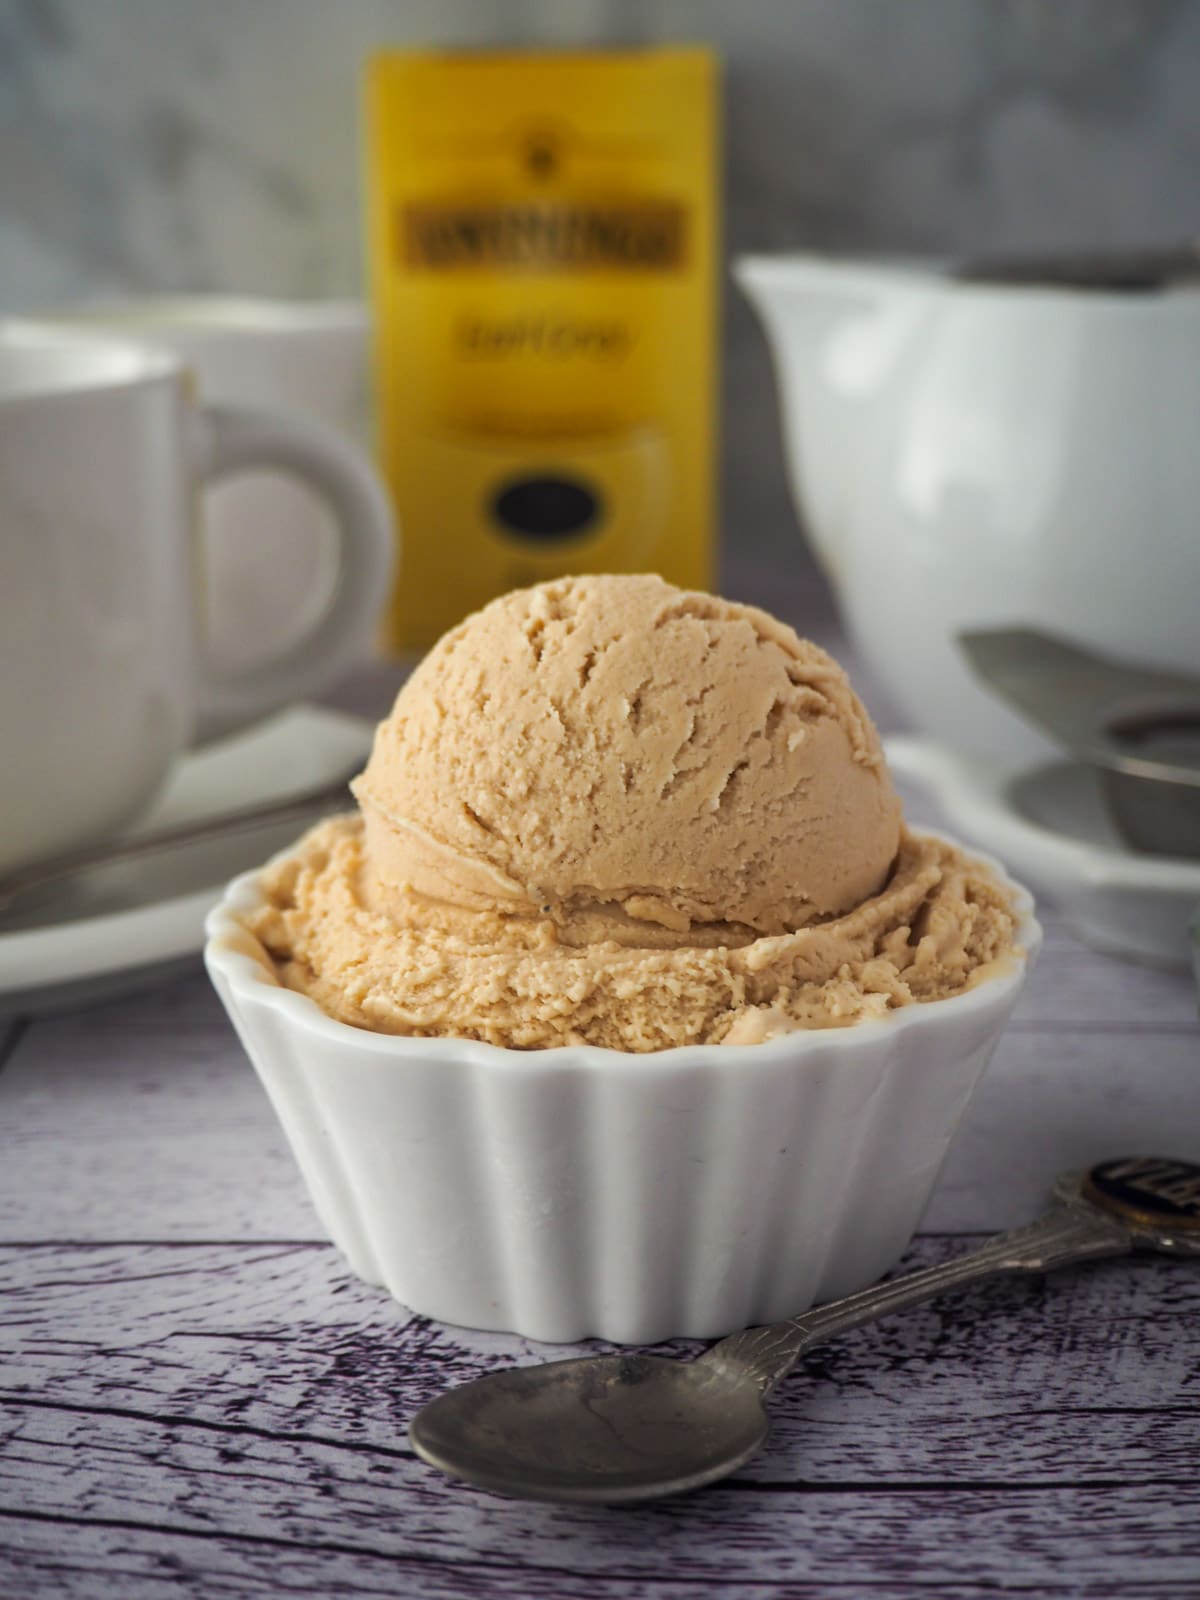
(604, 810)
(613, 753)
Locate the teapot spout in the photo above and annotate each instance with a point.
(838, 332)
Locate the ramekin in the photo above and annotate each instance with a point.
(577, 1192)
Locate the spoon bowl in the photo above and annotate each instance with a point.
(623, 1428)
(606, 1429)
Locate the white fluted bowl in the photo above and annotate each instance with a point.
(579, 1192)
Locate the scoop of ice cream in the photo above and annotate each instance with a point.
(631, 762)
(605, 811)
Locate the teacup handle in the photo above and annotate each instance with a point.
(229, 439)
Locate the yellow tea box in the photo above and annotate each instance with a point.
(542, 248)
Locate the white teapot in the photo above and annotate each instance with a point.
(968, 453)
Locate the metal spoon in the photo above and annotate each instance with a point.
(1138, 727)
(624, 1428)
(293, 808)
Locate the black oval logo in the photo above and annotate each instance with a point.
(544, 509)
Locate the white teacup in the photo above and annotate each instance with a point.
(270, 548)
(104, 677)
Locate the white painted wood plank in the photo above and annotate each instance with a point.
(1055, 1100)
(142, 1119)
(1060, 1378)
(1118, 1542)
(68, 1561)
(240, 1412)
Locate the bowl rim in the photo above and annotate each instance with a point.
(251, 981)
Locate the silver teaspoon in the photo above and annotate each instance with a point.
(292, 808)
(624, 1428)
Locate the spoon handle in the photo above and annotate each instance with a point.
(1062, 1235)
(292, 808)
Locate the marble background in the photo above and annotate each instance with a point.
(151, 145)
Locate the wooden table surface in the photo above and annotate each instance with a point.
(197, 1398)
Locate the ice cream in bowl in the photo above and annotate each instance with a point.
(625, 1004)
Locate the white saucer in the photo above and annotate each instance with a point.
(1049, 825)
(120, 927)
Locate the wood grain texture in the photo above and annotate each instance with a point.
(238, 1413)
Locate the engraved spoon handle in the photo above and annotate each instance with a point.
(1061, 1236)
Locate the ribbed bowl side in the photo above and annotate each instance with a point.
(835, 1096)
(649, 1154)
(529, 1120)
(285, 1063)
(562, 1203)
(572, 1194)
(767, 1140)
(926, 1079)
